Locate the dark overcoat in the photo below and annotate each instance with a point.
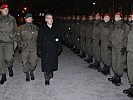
(48, 44)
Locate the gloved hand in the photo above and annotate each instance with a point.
(91, 40)
(39, 53)
(123, 51)
(99, 42)
(85, 39)
(20, 49)
(109, 47)
(79, 37)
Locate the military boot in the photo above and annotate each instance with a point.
(92, 65)
(106, 70)
(82, 55)
(77, 51)
(32, 75)
(97, 66)
(73, 49)
(47, 82)
(126, 91)
(130, 92)
(117, 81)
(27, 77)
(88, 60)
(3, 79)
(10, 71)
(112, 78)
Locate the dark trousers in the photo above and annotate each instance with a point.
(48, 75)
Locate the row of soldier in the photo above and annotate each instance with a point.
(108, 40)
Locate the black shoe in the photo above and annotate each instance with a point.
(47, 82)
(112, 78)
(106, 70)
(97, 66)
(88, 60)
(27, 77)
(70, 46)
(125, 70)
(3, 79)
(77, 52)
(130, 92)
(82, 55)
(117, 81)
(92, 65)
(10, 71)
(126, 91)
(73, 49)
(32, 75)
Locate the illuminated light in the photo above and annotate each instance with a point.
(42, 14)
(25, 8)
(94, 3)
(18, 15)
(22, 11)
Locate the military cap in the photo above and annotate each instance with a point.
(4, 6)
(118, 13)
(28, 15)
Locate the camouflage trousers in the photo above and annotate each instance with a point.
(29, 60)
(6, 56)
(130, 66)
(118, 61)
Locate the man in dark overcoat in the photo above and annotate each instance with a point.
(48, 44)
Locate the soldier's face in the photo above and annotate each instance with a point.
(4, 11)
(90, 18)
(49, 19)
(97, 17)
(29, 20)
(117, 18)
(131, 17)
(83, 18)
(106, 18)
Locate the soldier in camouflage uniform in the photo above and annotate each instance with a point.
(28, 36)
(119, 43)
(105, 30)
(96, 42)
(88, 36)
(68, 31)
(73, 33)
(7, 38)
(82, 37)
(129, 91)
(65, 35)
(77, 34)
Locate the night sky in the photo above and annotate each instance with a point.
(68, 7)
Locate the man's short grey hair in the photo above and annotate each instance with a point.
(49, 14)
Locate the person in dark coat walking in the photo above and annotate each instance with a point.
(48, 44)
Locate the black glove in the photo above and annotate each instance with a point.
(109, 47)
(79, 37)
(59, 49)
(99, 42)
(39, 53)
(91, 40)
(123, 51)
(85, 39)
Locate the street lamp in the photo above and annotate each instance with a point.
(94, 3)
(25, 8)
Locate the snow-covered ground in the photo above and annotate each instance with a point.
(73, 81)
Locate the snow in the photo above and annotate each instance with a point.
(73, 81)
